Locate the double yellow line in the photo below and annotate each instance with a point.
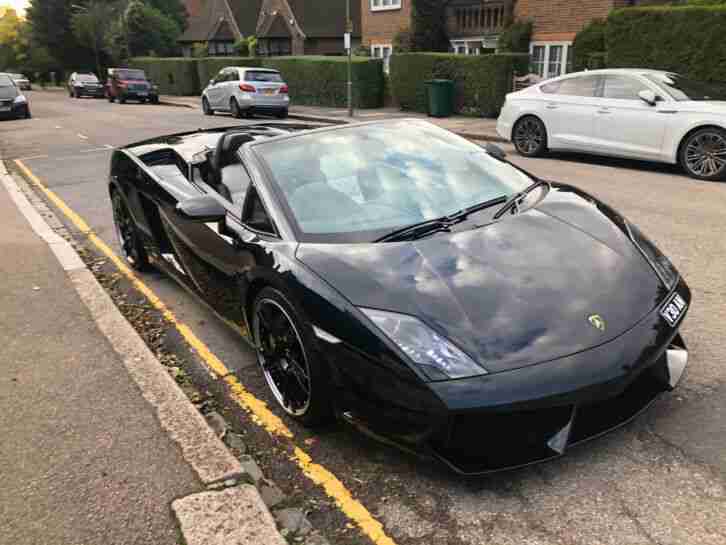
(256, 408)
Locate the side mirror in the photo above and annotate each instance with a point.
(495, 151)
(211, 82)
(203, 209)
(648, 96)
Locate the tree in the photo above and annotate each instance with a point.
(149, 31)
(428, 25)
(50, 24)
(10, 27)
(174, 9)
(90, 24)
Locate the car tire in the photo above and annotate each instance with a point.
(206, 108)
(234, 108)
(295, 374)
(703, 154)
(127, 234)
(282, 114)
(122, 100)
(529, 136)
(154, 100)
(70, 93)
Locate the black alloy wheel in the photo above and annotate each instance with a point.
(128, 237)
(295, 379)
(703, 154)
(206, 108)
(234, 108)
(530, 136)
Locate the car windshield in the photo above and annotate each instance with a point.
(18, 76)
(681, 88)
(262, 76)
(88, 78)
(357, 184)
(6, 81)
(131, 74)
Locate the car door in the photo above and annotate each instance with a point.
(625, 124)
(231, 85)
(568, 111)
(215, 91)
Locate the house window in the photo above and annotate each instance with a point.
(383, 51)
(380, 5)
(550, 59)
(467, 47)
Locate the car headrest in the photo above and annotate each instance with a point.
(225, 152)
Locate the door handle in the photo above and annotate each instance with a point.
(552, 106)
(604, 111)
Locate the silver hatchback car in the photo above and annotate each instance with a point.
(245, 91)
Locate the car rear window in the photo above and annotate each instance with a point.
(131, 74)
(90, 78)
(255, 75)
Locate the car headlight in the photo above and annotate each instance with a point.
(437, 357)
(20, 99)
(660, 263)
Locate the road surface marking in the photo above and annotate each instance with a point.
(256, 408)
(32, 157)
(82, 136)
(92, 150)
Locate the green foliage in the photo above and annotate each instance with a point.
(174, 76)
(589, 40)
(684, 39)
(200, 50)
(148, 29)
(10, 33)
(209, 67)
(516, 37)
(428, 25)
(91, 27)
(482, 81)
(595, 61)
(50, 23)
(321, 81)
(174, 9)
(246, 47)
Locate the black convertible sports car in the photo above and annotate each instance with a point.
(412, 283)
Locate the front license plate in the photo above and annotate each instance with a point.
(674, 309)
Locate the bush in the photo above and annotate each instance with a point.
(590, 40)
(481, 81)
(322, 81)
(208, 67)
(684, 39)
(516, 37)
(174, 76)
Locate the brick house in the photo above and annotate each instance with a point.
(473, 26)
(282, 27)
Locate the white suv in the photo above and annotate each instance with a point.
(241, 90)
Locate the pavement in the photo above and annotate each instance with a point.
(100, 446)
(661, 480)
(474, 128)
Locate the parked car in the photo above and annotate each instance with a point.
(130, 84)
(246, 91)
(12, 102)
(410, 282)
(22, 82)
(632, 113)
(82, 84)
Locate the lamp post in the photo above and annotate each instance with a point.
(349, 43)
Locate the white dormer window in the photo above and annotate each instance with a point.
(381, 5)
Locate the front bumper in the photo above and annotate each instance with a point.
(16, 111)
(90, 92)
(535, 413)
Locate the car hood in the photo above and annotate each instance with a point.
(8, 92)
(514, 293)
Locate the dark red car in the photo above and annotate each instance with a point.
(130, 84)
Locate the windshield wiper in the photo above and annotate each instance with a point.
(516, 200)
(444, 223)
(417, 230)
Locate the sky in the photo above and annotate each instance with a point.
(18, 5)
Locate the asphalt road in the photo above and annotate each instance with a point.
(660, 480)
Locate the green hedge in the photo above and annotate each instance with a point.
(482, 81)
(174, 76)
(685, 39)
(588, 42)
(208, 67)
(322, 81)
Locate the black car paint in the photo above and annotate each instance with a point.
(532, 278)
(8, 94)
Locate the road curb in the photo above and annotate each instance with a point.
(200, 447)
